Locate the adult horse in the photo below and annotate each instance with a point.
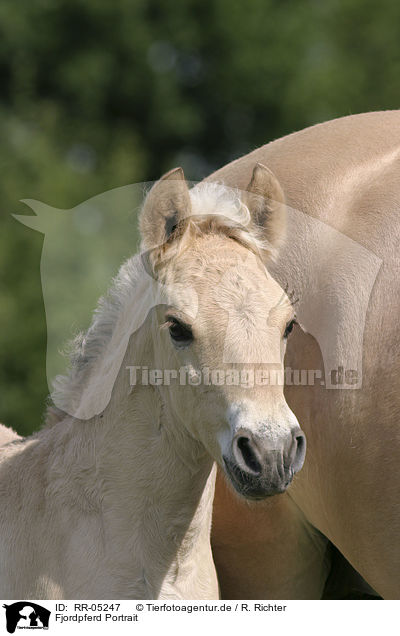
(113, 497)
(342, 260)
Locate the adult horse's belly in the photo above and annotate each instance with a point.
(345, 173)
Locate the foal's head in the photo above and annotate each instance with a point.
(220, 338)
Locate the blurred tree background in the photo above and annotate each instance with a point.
(97, 94)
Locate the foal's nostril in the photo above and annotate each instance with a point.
(249, 457)
(300, 452)
(300, 439)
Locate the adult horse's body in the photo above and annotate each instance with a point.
(345, 173)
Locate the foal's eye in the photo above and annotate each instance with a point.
(179, 332)
(289, 328)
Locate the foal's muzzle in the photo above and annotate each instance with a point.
(257, 471)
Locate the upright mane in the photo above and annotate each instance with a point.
(215, 208)
(84, 351)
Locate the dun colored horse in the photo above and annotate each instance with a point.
(113, 497)
(341, 259)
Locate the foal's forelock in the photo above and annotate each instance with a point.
(216, 210)
(196, 227)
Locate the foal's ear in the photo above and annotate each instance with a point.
(166, 204)
(266, 203)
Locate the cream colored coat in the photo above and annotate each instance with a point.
(345, 173)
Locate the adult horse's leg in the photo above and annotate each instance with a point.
(266, 549)
(344, 582)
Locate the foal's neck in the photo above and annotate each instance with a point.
(156, 493)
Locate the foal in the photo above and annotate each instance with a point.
(113, 498)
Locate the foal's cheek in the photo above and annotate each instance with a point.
(196, 409)
(184, 409)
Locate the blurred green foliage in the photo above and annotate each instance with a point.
(97, 94)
